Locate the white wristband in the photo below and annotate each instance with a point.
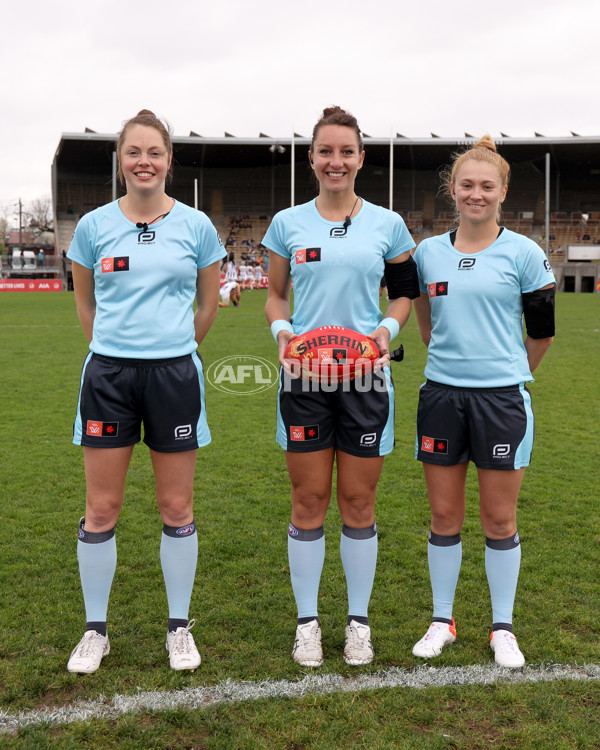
(392, 325)
(280, 325)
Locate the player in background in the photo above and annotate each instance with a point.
(258, 272)
(243, 275)
(138, 264)
(477, 282)
(335, 249)
(231, 271)
(230, 291)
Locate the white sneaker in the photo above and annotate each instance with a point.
(440, 634)
(506, 649)
(358, 648)
(307, 649)
(89, 652)
(183, 653)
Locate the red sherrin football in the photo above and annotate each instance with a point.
(332, 353)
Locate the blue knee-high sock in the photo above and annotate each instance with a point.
(444, 554)
(306, 554)
(358, 550)
(97, 557)
(178, 558)
(502, 564)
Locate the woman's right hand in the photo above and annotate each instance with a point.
(283, 339)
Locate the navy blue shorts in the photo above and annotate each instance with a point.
(117, 396)
(356, 417)
(493, 427)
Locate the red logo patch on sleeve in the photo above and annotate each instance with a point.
(110, 265)
(438, 289)
(308, 255)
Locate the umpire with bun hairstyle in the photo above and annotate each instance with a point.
(477, 284)
(335, 249)
(138, 265)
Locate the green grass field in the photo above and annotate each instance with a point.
(243, 602)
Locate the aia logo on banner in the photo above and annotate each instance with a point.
(110, 265)
(308, 255)
(434, 445)
(438, 289)
(102, 429)
(308, 432)
(327, 356)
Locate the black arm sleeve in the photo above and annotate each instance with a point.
(538, 309)
(402, 279)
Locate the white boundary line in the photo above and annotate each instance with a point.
(231, 692)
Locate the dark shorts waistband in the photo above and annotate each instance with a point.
(142, 363)
(500, 388)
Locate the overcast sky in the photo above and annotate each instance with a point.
(271, 66)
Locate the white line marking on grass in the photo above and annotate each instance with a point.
(231, 692)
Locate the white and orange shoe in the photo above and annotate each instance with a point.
(439, 635)
(506, 649)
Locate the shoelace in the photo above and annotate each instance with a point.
(508, 644)
(181, 641)
(356, 638)
(91, 644)
(313, 636)
(434, 629)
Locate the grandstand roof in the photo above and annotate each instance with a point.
(574, 154)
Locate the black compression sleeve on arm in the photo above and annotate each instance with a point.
(538, 309)
(402, 279)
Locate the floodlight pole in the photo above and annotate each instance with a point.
(293, 170)
(114, 176)
(392, 170)
(547, 202)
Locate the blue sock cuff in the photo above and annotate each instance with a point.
(444, 541)
(367, 533)
(305, 535)
(94, 537)
(503, 544)
(178, 532)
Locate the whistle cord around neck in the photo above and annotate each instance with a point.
(144, 225)
(348, 219)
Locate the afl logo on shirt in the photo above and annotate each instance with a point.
(111, 265)
(308, 255)
(466, 264)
